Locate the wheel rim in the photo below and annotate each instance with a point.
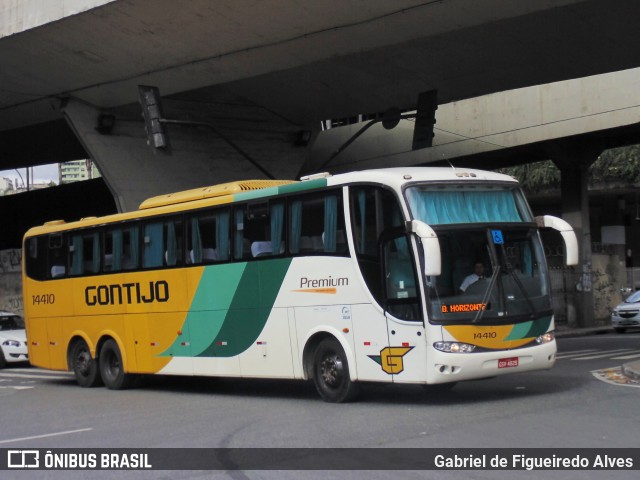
(332, 370)
(83, 362)
(112, 365)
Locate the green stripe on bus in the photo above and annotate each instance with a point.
(250, 308)
(216, 289)
(539, 327)
(302, 186)
(253, 194)
(282, 189)
(529, 329)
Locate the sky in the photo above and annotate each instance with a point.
(43, 173)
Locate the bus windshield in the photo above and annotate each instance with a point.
(493, 267)
(481, 203)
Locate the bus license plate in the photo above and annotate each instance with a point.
(508, 362)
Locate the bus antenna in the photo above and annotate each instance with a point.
(450, 164)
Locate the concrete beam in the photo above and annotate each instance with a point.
(197, 157)
(17, 16)
(492, 123)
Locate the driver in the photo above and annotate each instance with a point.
(478, 273)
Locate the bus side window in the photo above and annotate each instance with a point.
(276, 227)
(162, 244)
(84, 251)
(316, 224)
(173, 245)
(241, 246)
(333, 238)
(57, 259)
(373, 210)
(121, 249)
(305, 225)
(152, 250)
(35, 253)
(400, 279)
(253, 230)
(208, 238)
(112, 260)
(131, 248)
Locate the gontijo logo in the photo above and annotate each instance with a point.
(390, 359)
(127, 293)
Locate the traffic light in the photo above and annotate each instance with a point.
(152, 113)
(425, 119)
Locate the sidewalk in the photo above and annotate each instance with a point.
(631, 369)
(563, 331)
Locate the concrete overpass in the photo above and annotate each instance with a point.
(266, 74)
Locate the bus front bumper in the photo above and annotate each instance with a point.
(454, 367)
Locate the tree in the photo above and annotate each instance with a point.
(615, 167)
(536, 177)
(618, 165)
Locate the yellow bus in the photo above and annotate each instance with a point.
(358, 277)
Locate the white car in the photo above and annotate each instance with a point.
(13, 339)
(627, 314)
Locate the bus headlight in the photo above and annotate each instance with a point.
(545, 338)
(454, 347)
(11, 343)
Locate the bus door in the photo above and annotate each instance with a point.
(405, 357)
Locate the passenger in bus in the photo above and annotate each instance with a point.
(260, 249)
(478, 273)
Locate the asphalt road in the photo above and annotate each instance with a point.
(569, 406)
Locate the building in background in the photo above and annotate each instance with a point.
(77, 170)
(10, 186)
(6, 186)
(44, 176)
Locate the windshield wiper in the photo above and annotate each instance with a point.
(517, 281)
(487, 294)
(524, 292)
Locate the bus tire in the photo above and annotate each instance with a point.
(84, 367)
(331, 373)
(3, 362)
(111, 367)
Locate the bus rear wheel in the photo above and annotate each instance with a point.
(84, 367)
(111, 367)
(331, 373)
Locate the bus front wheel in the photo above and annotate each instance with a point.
(331, 373)
(111, 367)
(84, 367)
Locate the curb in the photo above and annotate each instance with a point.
(631, 370)
(582, 332)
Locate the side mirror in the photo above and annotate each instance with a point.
(430, 246)
(568, 235)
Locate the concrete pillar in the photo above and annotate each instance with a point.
(574, 159)
(197, 157)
